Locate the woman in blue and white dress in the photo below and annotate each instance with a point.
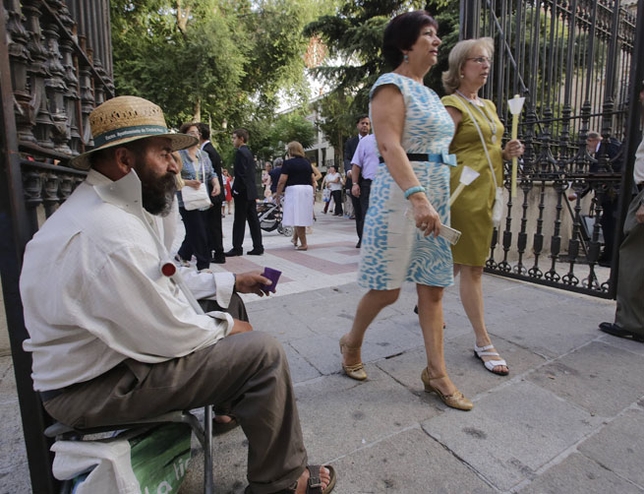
(410, 195)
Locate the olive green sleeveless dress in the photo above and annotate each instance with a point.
(471, 213)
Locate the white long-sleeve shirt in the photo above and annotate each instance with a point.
(638, 169)
(93, 291)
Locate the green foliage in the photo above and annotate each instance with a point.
(212, 60)
(446, 13)
(186, 72)
(293, 127)
(269, 137)
(334, 121)
(354, 35)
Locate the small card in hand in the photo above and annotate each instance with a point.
(274, 276)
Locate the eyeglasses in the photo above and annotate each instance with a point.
(481, 60)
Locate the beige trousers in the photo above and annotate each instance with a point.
(247, 373)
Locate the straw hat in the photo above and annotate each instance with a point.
(126, 119)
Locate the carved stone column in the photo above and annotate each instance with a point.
(20, 60)
(50, 193)
(72, 97)
(37, 74)
(56, 89)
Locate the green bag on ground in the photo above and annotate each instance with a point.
(160, 457)
(150, 460)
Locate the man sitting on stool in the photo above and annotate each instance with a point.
(115, 339)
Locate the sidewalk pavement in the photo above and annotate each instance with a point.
(568, 419)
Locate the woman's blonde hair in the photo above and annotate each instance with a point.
(294, 148)
(457, 58)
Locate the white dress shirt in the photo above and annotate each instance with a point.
(638, 168)
(93, 291)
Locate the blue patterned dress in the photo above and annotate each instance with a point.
(393, 249)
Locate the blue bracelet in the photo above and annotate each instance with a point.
(413, 190)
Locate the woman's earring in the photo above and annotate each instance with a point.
(462, 76)
(406, 58)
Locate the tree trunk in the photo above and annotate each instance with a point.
(196, 117)
(182, 17)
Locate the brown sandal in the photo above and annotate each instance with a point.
(314, 486)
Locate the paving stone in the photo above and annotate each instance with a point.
(578, 474)
(512, 432)
(408, 462)
(600, 378)
(619, 447)
(14, 471)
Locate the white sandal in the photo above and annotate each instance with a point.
(483, 351)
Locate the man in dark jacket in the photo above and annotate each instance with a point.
(275, 173)
(607, 157)
(245, 196)
(215, 232)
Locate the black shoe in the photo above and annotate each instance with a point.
(233, 253)
(604, 260)
(219, 259)
(615, 330)
(358, 244)
(255, 252)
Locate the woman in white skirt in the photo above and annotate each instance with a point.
(298, 185)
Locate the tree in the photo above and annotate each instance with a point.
(177, 56)
(354, 36)
(270, 136)
(334, 120)
(213, 60)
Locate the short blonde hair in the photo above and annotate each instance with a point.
(457, 58)
(294, 148)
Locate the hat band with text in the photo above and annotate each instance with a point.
(126, 132)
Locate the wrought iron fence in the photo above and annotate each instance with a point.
(572, 61)
(55, 68)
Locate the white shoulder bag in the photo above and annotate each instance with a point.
(196, 198)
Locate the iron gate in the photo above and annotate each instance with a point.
(55, 68)
(574, 62)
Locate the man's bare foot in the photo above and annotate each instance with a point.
(325, 480)
(223, 419)
(223, 423)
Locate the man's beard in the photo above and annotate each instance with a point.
(157, 192)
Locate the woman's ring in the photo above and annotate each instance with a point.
(423, 226)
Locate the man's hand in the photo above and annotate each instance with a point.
(639, 214)
(251, 282)
(355, 190)
(240, 327)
